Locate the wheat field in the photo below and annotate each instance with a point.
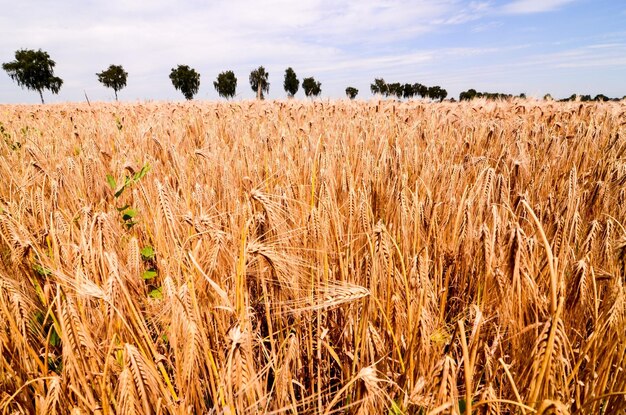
(313, 258)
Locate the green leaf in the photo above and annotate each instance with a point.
(120, 191)
(149, 274)
(120, 209)
(157, 293)
(111, 182)
(55, 340)
(395, 409)
(39, 316)
(462, 406)
(43, 271)
(128, 214)
(141, 173)
(147, 253)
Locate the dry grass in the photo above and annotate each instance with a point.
(291, 257)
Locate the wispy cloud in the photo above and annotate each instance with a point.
(485, 27)
(534, 6)
(592, 56)
(463, 13)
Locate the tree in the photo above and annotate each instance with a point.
(115, 77)
(436, 92)
(468, 95)
(421, 90)
(442, 94)
(291, 83)
(34, 70)
(408, 91)
(351, 92)
(572, 97)
(379, 87)
(186, 80)
(258, 82)
(547, 97)
(472, 93)
(311, 87)
(395, 89)
(226, 84)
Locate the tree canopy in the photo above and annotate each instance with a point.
(588, 98)
(311, 87)
(291, 83)
(421, 90)
(472, 94)
(226, 84)
(351, 92)
(436, 92)
(186, 80)
(379, 87)
(395, 89)
(115, 77)
(407, 90)
(34, 70)
(259, 83)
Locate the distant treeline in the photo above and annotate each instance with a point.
(399, 90)
(586, 98)
(34, 70)
(472, 93)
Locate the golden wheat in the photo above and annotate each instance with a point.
(313, 257)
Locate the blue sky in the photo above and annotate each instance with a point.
(533, 46)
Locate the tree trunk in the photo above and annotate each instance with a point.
(115, 90)
(41, 96)
(258, 90)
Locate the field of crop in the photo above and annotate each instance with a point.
(313, 257)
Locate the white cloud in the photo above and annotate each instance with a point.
(534, 6)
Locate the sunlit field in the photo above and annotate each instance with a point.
(313, 258)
